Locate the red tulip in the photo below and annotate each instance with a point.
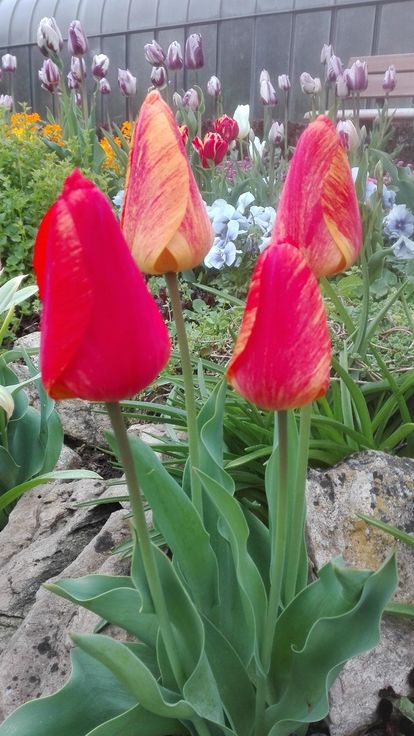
(212, 148)
(282, 355)
(318, 208)
(227, 127)
(164, 219)
(102, 337)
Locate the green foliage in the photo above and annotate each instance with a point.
(216, 592)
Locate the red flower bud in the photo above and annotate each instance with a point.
(282, 355)
(102, 337)
(183, 133)
(212, 148)
(227, 127)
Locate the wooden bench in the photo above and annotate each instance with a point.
(377, 65)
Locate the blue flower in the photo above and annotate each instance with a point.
(221, 254)
(404, 248)
(118, 200)
(399, 222)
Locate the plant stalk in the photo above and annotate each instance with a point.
(190, 404)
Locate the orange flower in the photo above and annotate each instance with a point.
(164, 220)
(282, 356)
(318, 208)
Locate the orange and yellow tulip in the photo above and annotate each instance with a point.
(164, 219)
(318, 208)
(282, 356)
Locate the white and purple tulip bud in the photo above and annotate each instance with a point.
(390, 79)
(267, 91)
(49, 75)
(326, 53)
(78, 99)
(276, 133)
(104, 86)
(348, 134)
(6, 101)
(127, 83)
(334, 68)
(177, 100)
(49, 37)
(357, 76)
(310, 85)
(73, 83)
(194, 57)
(100, 66)
(174, 59)
(342, 86)
(77, 41)
(190, 100)
(283, 82)
(78, 68)
(214, 86)
(9, 63)
(154, 53)
(159, 77)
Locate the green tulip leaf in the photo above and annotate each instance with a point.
(114, 598)
(318, 651)
(139, 721)
(91, 697)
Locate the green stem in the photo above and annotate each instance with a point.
(407, 312)
(297, 518)
(3, 431)
(360, 342)
(279, 540)
(8, 318)
(286, 124)
(144, 541)
(339, 306)
(271, 172)
(190, 404)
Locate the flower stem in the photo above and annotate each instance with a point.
(144, 541)
(297, 518)
(190, 404)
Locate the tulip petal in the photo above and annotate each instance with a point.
(318, 208)
(163, 217)
(282, 355)
(102, 337)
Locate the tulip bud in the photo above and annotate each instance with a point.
(159, 77)
(226, 127)
(334, 68)
(77, 41)
(310, 85)
(348, 134)
(174, 58)
(49, 37)
(214, 86)
(127, 83)
(78, 68)
(159, 173)
(73, 83)
(212, 148)
(276, 133)
(390, 79)
(100, 66)
(194, 57)
(241, 116)
(342, 88)
(190, 100)
(267, 91)
(9, 63)
(6, 101)
(326, 53)
(357, 76)
(154, 53)
(283, 82)
(78, 99)
(49, 75)
(183, 133)
(177, 100)
(104, 86)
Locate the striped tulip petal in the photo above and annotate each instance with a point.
(164, 219)
(282, 355)
(102, 337)
(318, 208)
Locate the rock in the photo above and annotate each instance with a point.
(68, 459)
(36, 660)
(382, 486)
(45, 533)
